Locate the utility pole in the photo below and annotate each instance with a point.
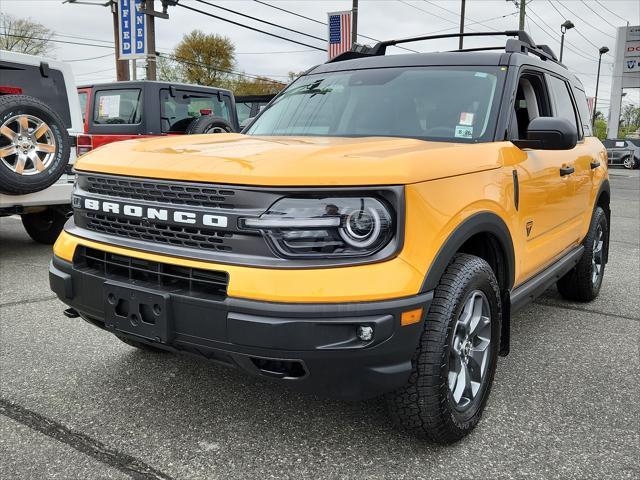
(151, 43)
(523, 3)
(122, 66)
(354, 22)
(461, 42)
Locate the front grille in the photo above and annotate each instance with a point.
(160, 232)
(162, 276)
(156, 191)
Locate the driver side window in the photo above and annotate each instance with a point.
(532, 101)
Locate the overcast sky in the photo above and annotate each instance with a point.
(381, 19)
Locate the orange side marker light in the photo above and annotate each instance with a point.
(410, 316)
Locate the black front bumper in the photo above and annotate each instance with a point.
(312, 347)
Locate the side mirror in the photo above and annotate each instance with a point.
(549, 133)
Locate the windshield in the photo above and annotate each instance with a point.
(437, 103)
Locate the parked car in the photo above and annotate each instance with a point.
(248, 106)
(40, 119)
(125, 110)
(370, 234)
(623, 152)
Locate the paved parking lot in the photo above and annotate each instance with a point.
(78, 404)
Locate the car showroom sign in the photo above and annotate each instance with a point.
(133, 38)
(626, 72)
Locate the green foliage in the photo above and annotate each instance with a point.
(601, 128)
(208, 59)
(205, 59)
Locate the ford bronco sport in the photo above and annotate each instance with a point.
(372, 232)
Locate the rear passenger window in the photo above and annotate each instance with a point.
(179, 111)
(583, 110)
(117, 107)
(564, 105)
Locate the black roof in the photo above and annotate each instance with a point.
(140, 83)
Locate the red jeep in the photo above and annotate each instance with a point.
(124, 110)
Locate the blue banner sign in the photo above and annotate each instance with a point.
(133, 39)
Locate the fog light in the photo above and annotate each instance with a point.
(365, 333)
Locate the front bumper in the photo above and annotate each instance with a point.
(312, 347)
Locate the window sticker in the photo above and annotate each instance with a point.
(464, 131)
(109, 106)
(466, 118)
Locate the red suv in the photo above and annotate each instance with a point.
(124, 110)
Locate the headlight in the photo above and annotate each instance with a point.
(329, 227)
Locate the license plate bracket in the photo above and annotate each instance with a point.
(137, 310)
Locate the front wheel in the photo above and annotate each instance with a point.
(45, 226)
(455, 361)
(628, 162)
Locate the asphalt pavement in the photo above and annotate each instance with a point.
(76, 403)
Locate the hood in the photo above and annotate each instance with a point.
(291, 161)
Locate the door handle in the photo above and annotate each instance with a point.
(595, 165)
(566, 171)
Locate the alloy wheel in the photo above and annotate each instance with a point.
(597, 256)
(469, 350)
(27, 144)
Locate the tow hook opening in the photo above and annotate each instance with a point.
(279, 368)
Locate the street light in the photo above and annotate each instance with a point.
(567, 25)
(602, 51)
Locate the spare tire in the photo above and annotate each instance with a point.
(209, 124)
(34, 145)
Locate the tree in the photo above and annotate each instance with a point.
(24, 36)
(630, 116)
(256, 86)
(600, 128)
(169, 70)
(205, 59)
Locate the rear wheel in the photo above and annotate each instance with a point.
(44, 227)
(628, 162)
(583, 283)
(455, 362)
(34, 145)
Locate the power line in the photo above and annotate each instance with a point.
(612, 12)
(579, 18)
(427, 12)
(568, 44)
(323, 23)
(202, 64)
(248, 27)
(90, 58)
(260, 20)
(55, 41)
(600, 16)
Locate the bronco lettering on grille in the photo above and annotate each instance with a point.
(151, 213)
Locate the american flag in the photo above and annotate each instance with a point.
(339, 33)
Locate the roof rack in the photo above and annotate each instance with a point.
(523, 43)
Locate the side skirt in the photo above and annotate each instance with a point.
(534, 287)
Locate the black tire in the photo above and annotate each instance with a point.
(426, 406)
(209, 124)
(44, 227)
(141, 346)
(53, 163)
(579, 284)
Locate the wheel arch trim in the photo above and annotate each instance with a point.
(481, 222)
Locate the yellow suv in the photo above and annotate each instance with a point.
(371, 232)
